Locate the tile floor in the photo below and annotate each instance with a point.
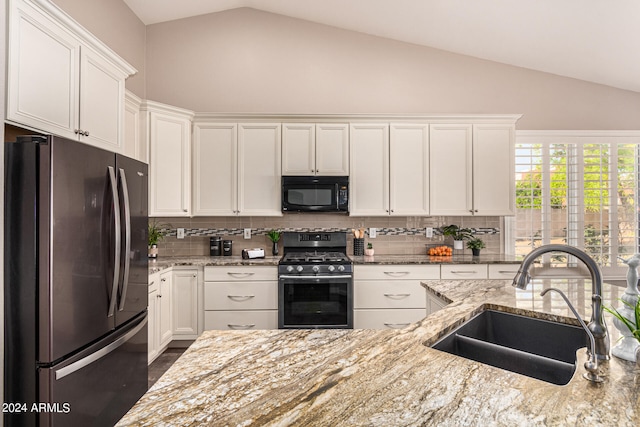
(163, 363)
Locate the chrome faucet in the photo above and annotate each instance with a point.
(590, 365)
(596, 325)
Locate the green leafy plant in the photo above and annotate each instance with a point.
(369, 245)
(456, 232)
(274, 235)
(156, 232)
(476, 243)
(634, 327)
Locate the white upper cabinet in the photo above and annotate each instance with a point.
(168, 132)
(62, 80)
(450, 169)
(259, 169)
(472, 169)
(315, 149)
(409, 169)
(236, 169)
(493, 169)
(215, 169)
(134, 146)
(369, 165)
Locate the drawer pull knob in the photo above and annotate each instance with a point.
(240, 297)
(234, 326)
(396, 325)
(396, 273)
(397, 296)
(231, 273)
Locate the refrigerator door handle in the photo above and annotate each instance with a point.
(116, 255)
(85, 361)
(127, 238)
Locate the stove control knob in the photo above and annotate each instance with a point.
(341, 268)
(315, 268)
(299, 269)
(290, 269)
(331, 268)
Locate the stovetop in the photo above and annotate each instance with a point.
(315, 257)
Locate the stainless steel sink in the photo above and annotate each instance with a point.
(533, 347)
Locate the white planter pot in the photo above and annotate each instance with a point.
(458, 244)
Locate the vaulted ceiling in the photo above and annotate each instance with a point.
(592, 40)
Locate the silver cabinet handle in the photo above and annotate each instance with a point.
(116, 255)
(240, 297)
(152, 282)
(164, 279)
(506, 272)
(239, 275)
(463, 272)
(396, 273)
(235, 326)
(396, 325)
(397, 296)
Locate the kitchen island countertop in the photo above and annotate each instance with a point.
(387, 378)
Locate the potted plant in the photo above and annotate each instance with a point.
(458, 234)
(475, 244)
(632, 326)
(274, 236)
(156, 233)
(369, 251)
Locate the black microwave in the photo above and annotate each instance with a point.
(315, 194)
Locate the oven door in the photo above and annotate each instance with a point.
(320, 302)
(315, 194)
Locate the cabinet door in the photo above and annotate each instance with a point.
(298, 149)
(132, 142)
(332, 149)
(493, 170)
(165, 314)
(153, 332)
(101, 102)
(369, 165)
(450, 168)
(185, 302)
(409, 169)
(259, 172)
(43, 73)
(169, 165)
(215, 169)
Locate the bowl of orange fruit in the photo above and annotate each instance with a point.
(439, 250)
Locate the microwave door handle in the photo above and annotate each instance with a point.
(337, 197)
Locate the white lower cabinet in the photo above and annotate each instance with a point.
(464, 271)
(503, 271)
(435, 303)
(237, 298)
(390, 296)
(159, 311)
(185, 303)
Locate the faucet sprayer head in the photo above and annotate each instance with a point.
(521, 280)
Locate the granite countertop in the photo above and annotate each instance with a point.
(426, 259)
(387, 378)
(166, 262)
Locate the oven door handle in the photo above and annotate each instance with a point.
(345, 276)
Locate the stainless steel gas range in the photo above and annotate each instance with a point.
(315, 282)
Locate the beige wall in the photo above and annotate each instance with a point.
(118, 27)
(245, 60)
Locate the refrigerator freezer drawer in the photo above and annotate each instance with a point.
(97, 387)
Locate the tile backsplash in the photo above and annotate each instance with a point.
(395, 235)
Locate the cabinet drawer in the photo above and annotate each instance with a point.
(240, 273)
(503, 271)
(464, 271)
(387, 319)
(241, 295)
(241, 320)
(387, 272)
(388, 294)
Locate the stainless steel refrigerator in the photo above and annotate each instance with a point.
(76, 278)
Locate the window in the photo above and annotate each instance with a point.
(580, 189)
